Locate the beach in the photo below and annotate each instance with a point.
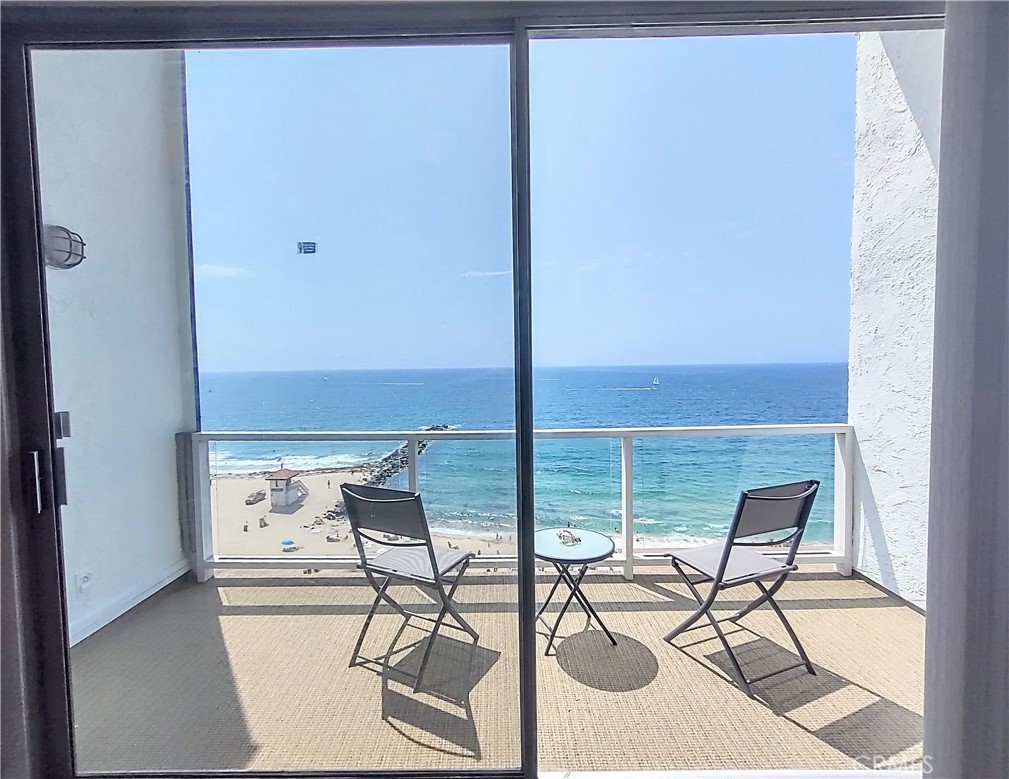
(238, 530)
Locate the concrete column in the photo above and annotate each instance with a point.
(966, 731)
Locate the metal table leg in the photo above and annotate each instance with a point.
(575, 593)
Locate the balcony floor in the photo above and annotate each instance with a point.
(249, 670)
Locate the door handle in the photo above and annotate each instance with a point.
(33, 465)
(59, 476)
(36, 489)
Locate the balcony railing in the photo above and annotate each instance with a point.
(196, 475)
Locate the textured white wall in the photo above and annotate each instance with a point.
(898, 92)
(110, 140)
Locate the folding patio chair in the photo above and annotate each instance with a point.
(759, 513)
(395, 519)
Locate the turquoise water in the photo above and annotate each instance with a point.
(684, 488)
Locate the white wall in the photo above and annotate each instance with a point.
(899, 77)
(112, 167)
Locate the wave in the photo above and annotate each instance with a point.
(401, 384)
(508, 533)
(626, 389)
(225, 464)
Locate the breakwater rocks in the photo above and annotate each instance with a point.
(380, 471)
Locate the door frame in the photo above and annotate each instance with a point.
(37, 576)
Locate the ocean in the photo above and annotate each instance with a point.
(684, 488)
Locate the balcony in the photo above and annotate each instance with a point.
(249, 670)
(247, 665)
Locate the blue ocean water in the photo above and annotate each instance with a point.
(684, 488)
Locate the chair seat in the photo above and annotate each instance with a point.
(415, 562)
(743, 563)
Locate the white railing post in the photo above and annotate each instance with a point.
(844, 503)
(412, 455)
(203, 537)
(627, 503)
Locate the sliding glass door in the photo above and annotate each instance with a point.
(290, 259)
(274, 274)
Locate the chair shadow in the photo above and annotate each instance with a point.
(881, 727)
(589, 658)
(453, 671)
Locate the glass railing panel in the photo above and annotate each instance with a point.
(686, 489)
(469, 495)
(270, 498)
(578, 485)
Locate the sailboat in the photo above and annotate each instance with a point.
(655, 383)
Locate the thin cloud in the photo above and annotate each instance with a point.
(588, 268)
(485, 274)
(209, 271)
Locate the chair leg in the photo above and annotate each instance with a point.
(450, 607)
(702, 608)
(760, 601)
(448, 602)
(379, 597)
(429, 648)
(447, 607)
(740, 676)
(392, 601)
(788, 627)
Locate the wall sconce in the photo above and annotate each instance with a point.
(63, 248)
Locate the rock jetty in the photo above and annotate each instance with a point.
(377, 473)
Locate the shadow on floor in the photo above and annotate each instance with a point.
(131, 680)
(589, 658)
(439, 714)
(880, 727)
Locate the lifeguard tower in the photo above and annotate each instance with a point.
(285, 489)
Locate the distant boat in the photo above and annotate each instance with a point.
(655, 383)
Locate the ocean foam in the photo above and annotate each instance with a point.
(225, 464)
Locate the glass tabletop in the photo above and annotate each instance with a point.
(589, 548)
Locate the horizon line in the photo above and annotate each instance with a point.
(649, 366)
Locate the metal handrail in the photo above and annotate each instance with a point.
(549, 433)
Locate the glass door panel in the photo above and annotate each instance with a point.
(297, 275)
(692, 221)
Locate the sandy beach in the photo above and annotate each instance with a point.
(238, 529)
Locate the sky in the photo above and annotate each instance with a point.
(691, 203)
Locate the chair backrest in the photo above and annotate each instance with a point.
(784, 507)
(375, 510)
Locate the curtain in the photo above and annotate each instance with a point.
(966, 731)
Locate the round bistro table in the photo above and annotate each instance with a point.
(591, 547)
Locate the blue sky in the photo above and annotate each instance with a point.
(691, 203)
